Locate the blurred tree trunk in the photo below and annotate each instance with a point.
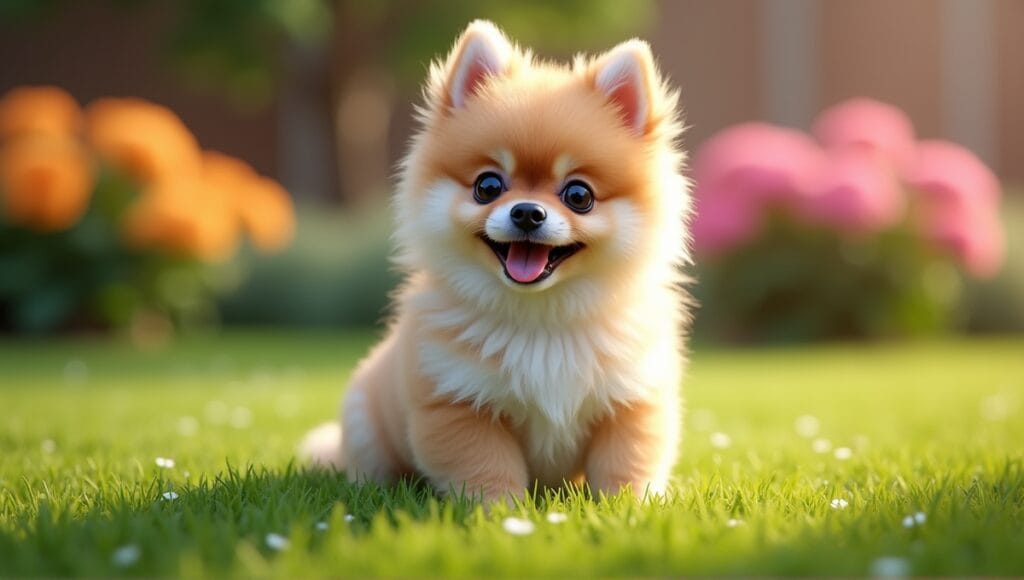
(363, 97)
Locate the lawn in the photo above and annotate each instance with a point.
(845, 460)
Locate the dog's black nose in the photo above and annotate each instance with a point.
(528, 216)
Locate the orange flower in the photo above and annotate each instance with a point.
(228, 173)
(39, 110)
(263, 206)
(46, 181)
(143, 139)
(184, 216)
(268, 215)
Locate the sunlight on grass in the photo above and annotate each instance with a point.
(795, 461)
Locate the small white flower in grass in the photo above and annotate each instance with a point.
(843, 453)
(276, 542)
(733, 523)
(702, 419)
(518, 526)
(349, 518)
(998, 407)
(807, 426)
(48, 445)
(720, 440)
(321, 526)
(821, 445)
(556, 517)
(188, 426)
(916, 519)
(241, 418)
(165, 462)
(126, 556)
(169, 495)
(890, 567)
(839, 503)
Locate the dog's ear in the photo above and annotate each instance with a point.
(481, 52)
(628, 78)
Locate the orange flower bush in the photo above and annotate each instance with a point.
(183, 216)
(130, 202)
(146, 141)
(39, 110)
(267, 215)
(263, 206)
(46, 181)
(203, 215)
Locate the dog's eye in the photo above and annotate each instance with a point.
(488, 187)
(578, 196)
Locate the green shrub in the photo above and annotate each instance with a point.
(337, 272)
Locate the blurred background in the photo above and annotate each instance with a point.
(317, 96)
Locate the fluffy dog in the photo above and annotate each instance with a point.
(538, 336)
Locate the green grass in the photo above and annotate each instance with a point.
(935, 428)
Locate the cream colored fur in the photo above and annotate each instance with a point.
(487, 385)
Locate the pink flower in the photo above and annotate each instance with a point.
(857, 193)
(867, 124)
(722, 223)
(976, 241)
(958, 197)
(952, 177)
(757, 162)
(742, 170)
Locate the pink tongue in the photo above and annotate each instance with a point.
(526, 261)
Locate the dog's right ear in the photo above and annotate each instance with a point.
(480, 53)
(629, 80)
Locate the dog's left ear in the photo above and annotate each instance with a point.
(628, 78)
(481, 52)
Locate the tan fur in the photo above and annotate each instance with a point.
(489, 386)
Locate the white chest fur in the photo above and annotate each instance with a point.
(551, 381)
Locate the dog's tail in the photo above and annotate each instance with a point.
(322, 445)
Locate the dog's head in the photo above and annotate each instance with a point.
(528, 175)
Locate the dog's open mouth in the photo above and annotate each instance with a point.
(528, 262)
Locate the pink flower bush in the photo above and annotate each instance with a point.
(760, 162)
(867, 124)
(856, 193)
(741, 171)
(724, 222)
(949, 176)
(958, 199)
(865, 174)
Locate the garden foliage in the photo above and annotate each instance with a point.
(858, 230)
(114, 217)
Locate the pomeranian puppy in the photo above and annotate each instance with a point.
(537, 338)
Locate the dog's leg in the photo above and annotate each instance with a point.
(461, 448)
(362, 445)
(366, 455)
(322, 446)
(634, 447)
